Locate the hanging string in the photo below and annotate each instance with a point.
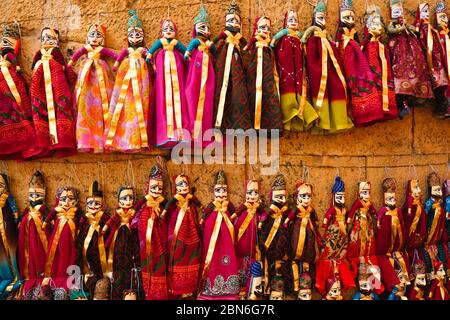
(101, 166)
(433, 169)
(72, 167)
(337, 172)
(362, 175)
(130, 173)
(168, 11)
(261, 8)
(305, 174)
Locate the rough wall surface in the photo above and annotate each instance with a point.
(383, 149)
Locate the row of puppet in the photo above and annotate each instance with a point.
(159, 249)
(170, 93)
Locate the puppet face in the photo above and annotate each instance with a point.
(436, 191)
(415, 189)
(364, 287)
(304, 196)
(421, 280)
(396, 11)
(8, 43)
(182, 185)
(425, 12)
(335, 291)
(442, 19)
(276, 295)
(36, 196)
(233, 22)
(202, 29)
(263, 27)
(364, 191)
(49, 38)
(348, 18)
(255, 288)
(94, 204)
(292, 20)
(440, 273)
(220, 192)
(168, 29)
(304, 294)
(126, 198)
(67, 200)
(95, 37)
(320, 20)
(252, 194)
(402, 285)
(155, 188)
(279, 196)
(374, 23)
(135, 37)
(389, 199)
(339, 198)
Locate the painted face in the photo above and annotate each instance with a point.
(339, 198)
(348, 18)
(220, 192)
(168, 29)
(364, 286)
(389, 199)
(440, 273)
(364, 191)
(374, 23)
(182, 185)
(425, 11)
(36, 196)
(135, 37)
(202, 29)
(256, 288)
(335, 291)
(320, 20)
(263, 27)
(421, 280)
(252, 194)
(276, 295)
(233, 21)
(436, 191)
(402, 279)
(304, 196)
(442, 19)
(279, 196)
(49, 38)
(415, 189)
(126, 198)
(155, 188)
(67, 200)
(8, 43)
(305, 294)
(95, 37)
(94, 204)
(292, 20)
(396, 11)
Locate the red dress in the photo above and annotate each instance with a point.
(17, 134)
(53, 114)
(415, 225)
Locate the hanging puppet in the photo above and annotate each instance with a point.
(16, 127)
(201, 77)
(249, 218)
(441, 25)
(171, 112)
(402, 281)
(232, 108)
(262, 83)
(122, 244)
(152, 231)
(438, 290)
(334, 241)
(364, 284)
(33, 239)
(10, 279)
(430, 41)
(363, 98)
(390, 238)
(305, 287)
(90, 244)
(61, 250)
(417, 292)
(185, 246)
(327, 81)
(219, 277)
(377, 55)
(447, 206)
(415, 219)
(304, 236)
(93, 90)
(127, 128)
(409, 66)
(297, 112)
(274, 243)
(51, 97)
(333, 286)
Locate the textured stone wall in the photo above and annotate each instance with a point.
(383, 149)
